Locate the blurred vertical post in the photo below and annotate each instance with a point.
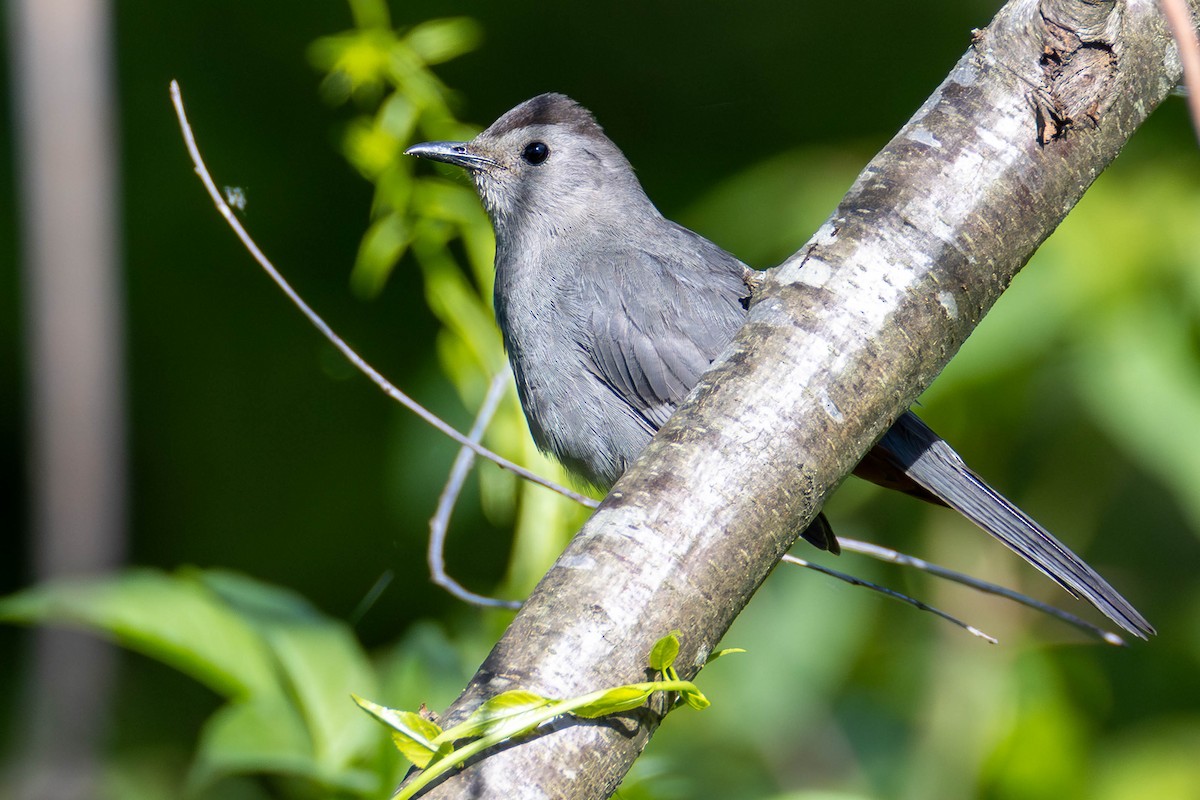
(67, 165)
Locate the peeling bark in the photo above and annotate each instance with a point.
(840, 341)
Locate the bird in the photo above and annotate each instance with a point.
(609, 313)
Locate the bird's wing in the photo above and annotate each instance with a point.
(655, 326)
(932, 463)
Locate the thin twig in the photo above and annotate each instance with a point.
(388, 388)
(1183, 30)
(903, 598)
(895, 557)
(440, 522)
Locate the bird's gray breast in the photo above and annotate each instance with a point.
(571, 413)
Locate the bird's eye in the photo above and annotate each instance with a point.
(535, 152)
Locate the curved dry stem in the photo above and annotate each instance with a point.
(440, 522)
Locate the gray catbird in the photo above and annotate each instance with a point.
(610, 313)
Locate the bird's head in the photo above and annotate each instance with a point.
(544, 165)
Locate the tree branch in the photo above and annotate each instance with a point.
(843, 337)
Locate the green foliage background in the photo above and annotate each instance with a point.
(256, 450)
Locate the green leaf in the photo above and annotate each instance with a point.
(267, 736)
(354, 62)
(398, 117)
(461, 310)
(713, 656)
(440, 40)
(664, 652)
(382, 245)
(413, 735)
(370, 14)
(419, 749)
(696, 699)
(503, 708)
(613, 701)
(175, 619)
(321, 662)
(514, 700)
(371, 148)
(420, 755)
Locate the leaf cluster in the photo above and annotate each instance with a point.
(519, 713)
(283, 669)
(437, 220)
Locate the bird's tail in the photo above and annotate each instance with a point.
(930, 462)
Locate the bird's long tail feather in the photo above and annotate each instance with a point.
(929, 461)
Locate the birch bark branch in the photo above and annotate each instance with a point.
(842, 339)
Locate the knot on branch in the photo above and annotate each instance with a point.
(1079, 65)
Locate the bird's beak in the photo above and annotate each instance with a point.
(457, 153)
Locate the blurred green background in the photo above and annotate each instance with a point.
(254, 448)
